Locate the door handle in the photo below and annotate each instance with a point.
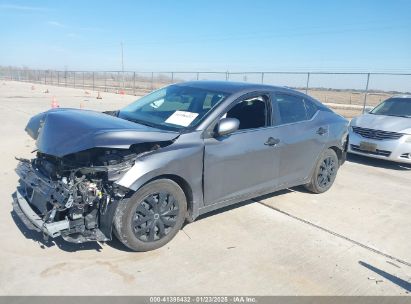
(271, 141)
(322, 131)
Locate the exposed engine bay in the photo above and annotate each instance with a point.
(75, 196)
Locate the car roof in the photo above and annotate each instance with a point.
(228, 86)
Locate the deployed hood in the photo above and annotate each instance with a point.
(61, 132)
(382, 122)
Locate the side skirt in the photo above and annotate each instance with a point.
(242, 198)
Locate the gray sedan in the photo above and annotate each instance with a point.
(171, 156)
(384, 132)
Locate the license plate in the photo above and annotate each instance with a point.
(369, 147)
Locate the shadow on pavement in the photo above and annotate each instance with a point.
(396, 280)
(279, 193)
(222, 210)
(59, 242)
(247, 202)
(116, 244)
(380, 163)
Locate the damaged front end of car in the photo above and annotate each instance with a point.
(75, 195)
(72, 196)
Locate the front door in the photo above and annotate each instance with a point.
(245, 161)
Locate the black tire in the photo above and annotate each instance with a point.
(152, 216)
(324, 173)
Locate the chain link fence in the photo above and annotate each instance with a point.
(344, 91)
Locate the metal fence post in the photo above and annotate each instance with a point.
(198, 75)
(58, 78)
(83, 81)
(93, 81)
(262, 77)
(227, 76)
(152, 80)
(134, 83)
(105, 82)
(172, 77)
(308, 83)
(366, 93)
(74, 79)
(45, 77)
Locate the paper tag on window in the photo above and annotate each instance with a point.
(181, 118)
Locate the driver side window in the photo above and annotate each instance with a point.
(251, 112)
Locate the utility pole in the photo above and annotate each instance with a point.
(122, 62)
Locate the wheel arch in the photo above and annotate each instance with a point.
(337, 151)
(341, 153)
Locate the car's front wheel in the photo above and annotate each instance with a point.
(324, 173)
(152, 216)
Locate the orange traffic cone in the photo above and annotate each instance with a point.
(54, 103)
(99, 96)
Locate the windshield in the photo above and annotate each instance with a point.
(172, 108)
(394, 107)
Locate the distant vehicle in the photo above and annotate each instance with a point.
(172, 155)
(384, 132)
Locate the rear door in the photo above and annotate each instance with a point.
(302, 136)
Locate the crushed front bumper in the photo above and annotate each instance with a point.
(31, 203)
(31, 196)
(32, 220)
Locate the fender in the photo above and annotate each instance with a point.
(167, 161)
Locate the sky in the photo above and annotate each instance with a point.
(207, 35)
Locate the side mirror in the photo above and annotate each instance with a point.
(368, 109)
(227, 126)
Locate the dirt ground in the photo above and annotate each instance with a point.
(351, 240)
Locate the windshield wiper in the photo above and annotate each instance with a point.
(142, 122)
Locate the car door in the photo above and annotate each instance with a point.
(302, 136)
(245, 161)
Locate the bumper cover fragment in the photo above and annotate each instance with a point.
(33, 221)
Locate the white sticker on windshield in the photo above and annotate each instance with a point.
(181, 118)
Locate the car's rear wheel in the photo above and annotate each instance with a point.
(324, 173)
(152, 216)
